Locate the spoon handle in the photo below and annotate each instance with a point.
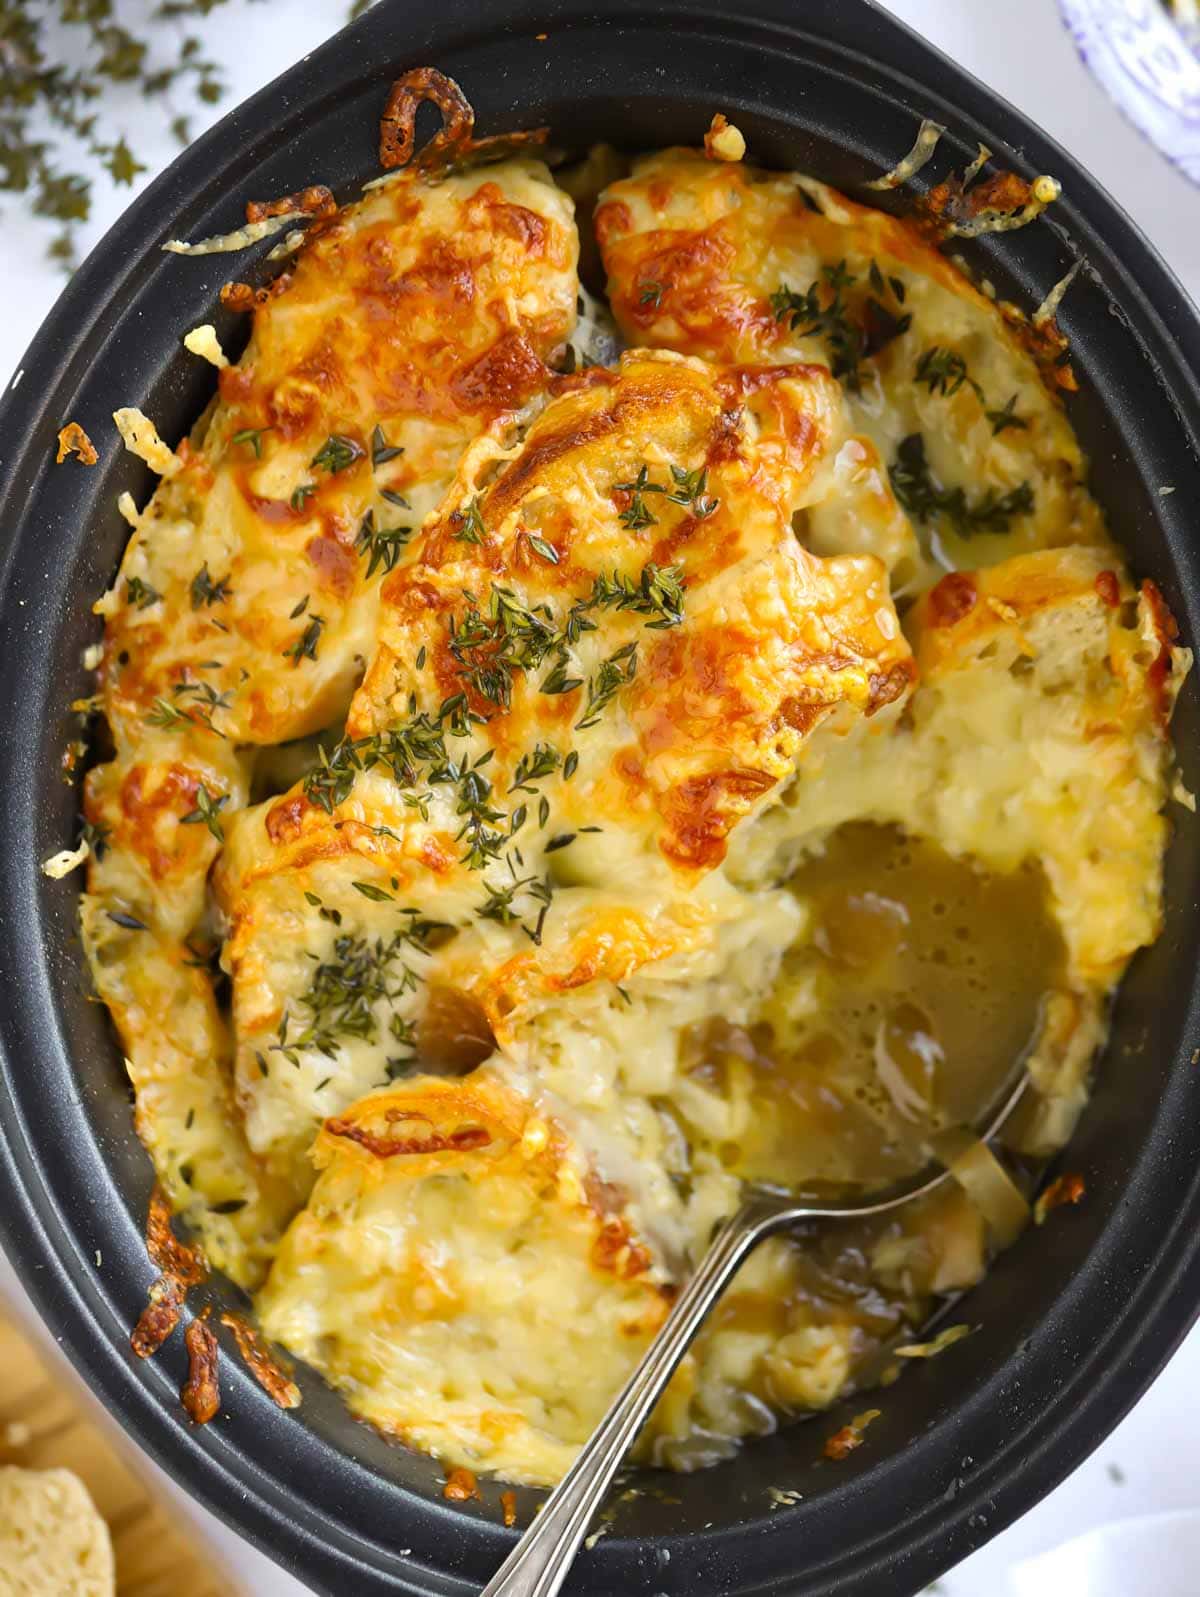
(538, 1565)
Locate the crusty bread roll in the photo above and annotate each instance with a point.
(53, 1543)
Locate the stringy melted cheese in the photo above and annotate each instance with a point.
(637, 661)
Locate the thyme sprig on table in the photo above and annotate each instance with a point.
(60, 63)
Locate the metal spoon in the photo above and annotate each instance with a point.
(538, 1564)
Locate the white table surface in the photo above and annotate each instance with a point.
(1151, 1463)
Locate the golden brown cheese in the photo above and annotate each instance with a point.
(426, 311)
(457, 1269)
(244, 609)
(579, 690)
(718, 682)
(737, 264)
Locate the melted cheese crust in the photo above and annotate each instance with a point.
(414, 320)
(771, 644)
(695, 250)
(636, 659)
(466, 1232)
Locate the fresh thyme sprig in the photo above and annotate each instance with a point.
(207, 812)
(381, 450)
(251, 438)
(306, 645)
(140, 594)
(1006, 417)
(206, 591)
(492, 643)
(342, 996)
(337, 453)
(944, 371)
(915, 488)
(690, 491)
(637, 513)
(469, 523)
(606, 682)
(500, 904)
(56, 60)
(822, 311)
(382, 546)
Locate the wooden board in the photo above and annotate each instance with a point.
(46, 1424)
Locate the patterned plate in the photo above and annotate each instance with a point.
(1147, 65)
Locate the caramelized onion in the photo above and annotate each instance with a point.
(986, 1182)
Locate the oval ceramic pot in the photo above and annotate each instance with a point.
(1074, 1321)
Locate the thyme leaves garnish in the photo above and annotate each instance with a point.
(345, 989)
(543, 760)
(500, 904)
(822, 311)
(919, 494)
(164, 714)
(251, 438)
(306, 645)
(689, 490)
(206, 592)
(1006, 417)
(606, 682)
(337, 453)
(637, 514)
(657, 593)
(492, 643)
(140, 594)
(944, 371)
(545, 551)
(469, 523)
(381, 450)
(207, 812)
(382, 546)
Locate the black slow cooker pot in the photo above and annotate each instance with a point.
(1075, 1320)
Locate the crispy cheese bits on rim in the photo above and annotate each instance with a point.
(842, 1443)
(1065, 1189)
(724, 142)
(72, 440)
